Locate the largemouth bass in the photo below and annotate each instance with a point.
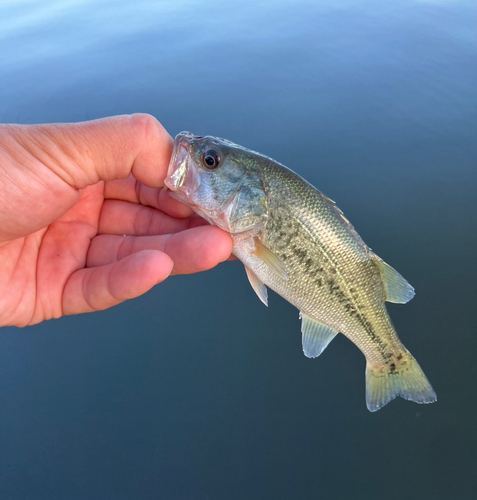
(295, 240)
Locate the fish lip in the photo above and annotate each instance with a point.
(179, 158)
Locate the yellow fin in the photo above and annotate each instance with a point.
(396, 288)
(270, 259)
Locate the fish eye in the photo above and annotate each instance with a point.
(210, 159)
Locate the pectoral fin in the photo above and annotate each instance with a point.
(396, 288)
(270, 259)
(316, 336)
(257, 285)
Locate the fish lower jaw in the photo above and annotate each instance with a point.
(178, 195)
(213, 217)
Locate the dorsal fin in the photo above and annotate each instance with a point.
(316, 336)
(396, 288)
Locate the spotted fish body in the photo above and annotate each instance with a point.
(294, 240)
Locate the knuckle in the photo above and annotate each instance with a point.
(138, 190)
(125, 247)
(145, 126)
(144, 221)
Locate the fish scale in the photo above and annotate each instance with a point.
(318, 295)
(296, 241)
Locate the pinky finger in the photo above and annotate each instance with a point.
(98, 288)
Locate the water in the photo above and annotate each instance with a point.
(197, 391)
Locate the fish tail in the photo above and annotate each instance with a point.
(405, 379)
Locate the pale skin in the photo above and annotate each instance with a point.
(84, 221)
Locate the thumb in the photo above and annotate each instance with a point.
(82, 154)
(43, 167)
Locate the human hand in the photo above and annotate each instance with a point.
(84, 223)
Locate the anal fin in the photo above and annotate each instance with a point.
(316, 336)
(257, 285)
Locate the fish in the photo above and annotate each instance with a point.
(294, 240)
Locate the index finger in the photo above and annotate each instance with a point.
(132, 190)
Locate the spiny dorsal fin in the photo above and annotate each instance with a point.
(270, 259)
(396, 288)
(328, 199)
(316, 336)
(257, 285)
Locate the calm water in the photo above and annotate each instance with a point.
(197, 391)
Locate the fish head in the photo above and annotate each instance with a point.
(219, 180)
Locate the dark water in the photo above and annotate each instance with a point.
(197, 391)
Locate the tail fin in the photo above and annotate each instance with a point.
(406, 380)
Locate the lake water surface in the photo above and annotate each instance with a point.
(197, 391)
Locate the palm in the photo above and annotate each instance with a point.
(60, 269)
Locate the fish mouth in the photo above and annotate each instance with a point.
(179, 175)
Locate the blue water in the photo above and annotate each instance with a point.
(197, 391)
